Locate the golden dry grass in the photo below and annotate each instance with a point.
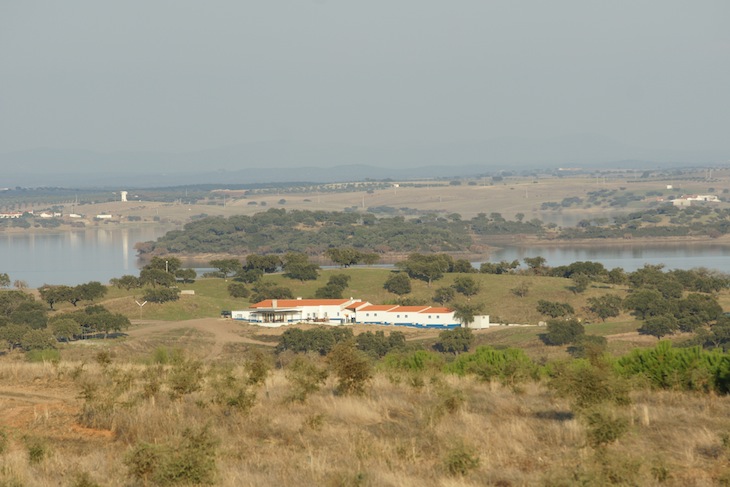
(514, 195)
(395, 435)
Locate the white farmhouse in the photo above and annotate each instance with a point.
(281, 312)
(278, 312)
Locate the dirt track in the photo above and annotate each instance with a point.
(222, 331)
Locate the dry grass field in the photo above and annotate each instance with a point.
(105, 419)
(513, 195)
(112, 413)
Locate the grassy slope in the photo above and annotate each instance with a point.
(498, 301)
(495, 295)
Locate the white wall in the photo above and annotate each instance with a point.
(481, 321)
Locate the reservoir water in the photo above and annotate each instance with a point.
(630, 257)
(99, 254)
(73, 257)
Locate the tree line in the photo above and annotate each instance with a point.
(277, 231)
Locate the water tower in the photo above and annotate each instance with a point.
(124, 195)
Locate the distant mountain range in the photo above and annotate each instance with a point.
(283, 161)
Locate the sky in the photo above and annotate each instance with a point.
(180, 75)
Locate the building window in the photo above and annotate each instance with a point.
(429, 317)
(397, 316)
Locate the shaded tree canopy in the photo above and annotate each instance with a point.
(269, 290)
(347, 256)
(426, 267)
(563, 332)
(297, 266)
(467, 286)
(398, 283)
(554, 309)
(226, 266)
(455, 341)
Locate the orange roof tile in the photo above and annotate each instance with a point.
(437, 310)
(407, 309)
(378, 307)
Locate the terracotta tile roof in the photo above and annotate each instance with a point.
(378, 307)
(356, 304)
(409, 309)
(293, 303)
(437, 310)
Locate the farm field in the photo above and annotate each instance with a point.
(509, 197)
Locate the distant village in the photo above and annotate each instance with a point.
(48, 214)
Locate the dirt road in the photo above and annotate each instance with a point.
(222, 331)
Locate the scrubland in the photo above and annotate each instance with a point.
(173, 420)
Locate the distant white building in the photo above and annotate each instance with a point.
(688, 199)
(103, 216)
(124, 195)
(281, 312)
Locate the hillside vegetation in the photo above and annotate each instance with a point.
(181, 397)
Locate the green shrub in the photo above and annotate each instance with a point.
(351, 367)
(604, 426)
(191, 460)
(37, 449)
(417, 361)
(455, 341)
(144, 461)
(460, 460)
(38, 340)
(563, 332)
(450, 400)
(320, 340)
(185, 378)
(258, 367)
(305, 377)
(588, 384)
(164, 356)
(161, 295)
(3, 441)
(84, 479)
(509, 366)
(152, 377)
(47, 355)
(691, 368)
(591, 347)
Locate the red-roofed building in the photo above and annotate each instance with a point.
(280, 312)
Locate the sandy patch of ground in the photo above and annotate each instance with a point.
(221, 331)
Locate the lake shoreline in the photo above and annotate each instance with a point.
(528, 240)
(489, 248)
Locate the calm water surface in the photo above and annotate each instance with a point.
(73, 257)
(630, 256)
(100, 254)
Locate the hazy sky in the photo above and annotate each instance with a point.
(184, 75)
